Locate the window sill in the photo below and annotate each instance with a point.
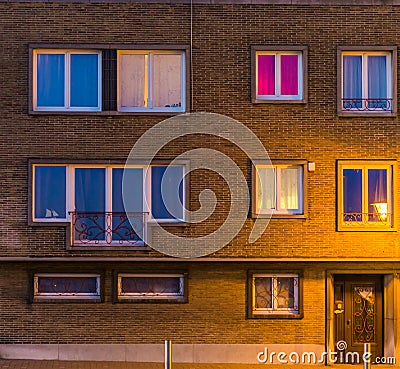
(144, 249)
(371, 114)
(275, 316)
(277, 101)
(105, 113)
(279, 216)
(365, 229)
(66, 300)
(152, 300)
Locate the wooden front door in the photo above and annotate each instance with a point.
(359, 313)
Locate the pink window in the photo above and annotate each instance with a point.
(278, 75)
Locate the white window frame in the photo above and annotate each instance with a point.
(70, 189)
(364, 77)
(273, 309)
(62, 296)
(365, 224)
(277, 170)
(148, 93)
(278, 95)
(149, 295)
(67, 93)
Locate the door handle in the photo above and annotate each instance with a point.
(348, 322)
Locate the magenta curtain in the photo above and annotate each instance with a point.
(266, 75)
(289, 75)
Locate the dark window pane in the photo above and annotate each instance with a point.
(263, 292)
(67, 285)
(50, 191)
(90, 189)
(352, 190)
(377, 193)
(352, 80)
(285, 294)
(151, 285)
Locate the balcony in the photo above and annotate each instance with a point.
(367, 219)
(108, 229)
(367, 105)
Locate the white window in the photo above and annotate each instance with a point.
(66, 80)
(275, 294)
(365, 195)
(279, 75)
(66, 286)
(366, 81)
(279, 189)
(151, 81)
(145, 286)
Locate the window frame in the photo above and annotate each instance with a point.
(302, 51)
(365, 165)
(151, 298)
(284, 313)
(284, 213)
(148, 80)
(56, 297)
(391, 74)
(70, 188)
(67, 70)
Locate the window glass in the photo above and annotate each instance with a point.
(50, 192)
(90, 189)
(167, 192)
(352, 77)
(289, 185)
(266, 74)
(50, 79)
(134, 184)
(289, 75)
(84, 71)
(266, 188)
(285, 294)
(352, 190)
(132, 80)
(377, 188)
(263, 292)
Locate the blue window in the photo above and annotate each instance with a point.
(67, 80)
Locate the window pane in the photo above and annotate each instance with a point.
(133, 197)
(266, 74)
(266, 189)
(67, 285)
(167, 192)
(377, 84)
(84, 80)
(167, 81)
(377, 193)
(132, 80)
(263, 294)
(50, 79)
(285, 293)
(289, 75)
(90, 189)
(289, 188)
(151, 286)
(50, 191)
(352, 79)
(352, 191)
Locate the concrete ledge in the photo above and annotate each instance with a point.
(181, 353)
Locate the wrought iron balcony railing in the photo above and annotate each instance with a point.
(367, 219)
(378, 104)
(108, 228)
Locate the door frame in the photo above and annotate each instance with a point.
(390, 300)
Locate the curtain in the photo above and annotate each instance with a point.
(352, 191)
(289, 188)
(90, 189)
(377, 83)
(266, 196)
(132, 80)
(377, 187)
(84, 80)
(166, 80)
(289, 75)
(50, 79)
(266, 74)
(352, 80)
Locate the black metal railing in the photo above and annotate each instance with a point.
(108, 228)
(367, 219)
(376, 104)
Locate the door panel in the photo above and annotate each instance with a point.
(358, 312)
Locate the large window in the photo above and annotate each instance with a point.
(274, 294)
(67, 80)
(147, 287)
(365, 195)
(151, 81)
(66, 286)
(367, 81)
(278, 189)
(58, 189)
(279, 74)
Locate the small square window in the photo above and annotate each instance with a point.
(66, 286)
(147, 287)
(151, 81)
(367, 81)
(365, 195)
(279, 75)
(278, 189)
(274, 294)
(66, 80)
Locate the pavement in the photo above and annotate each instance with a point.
(50, 364)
